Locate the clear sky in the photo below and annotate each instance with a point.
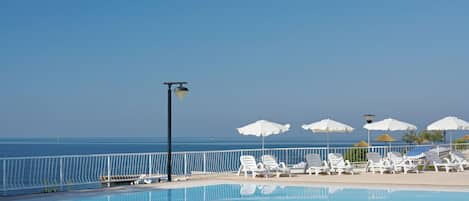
(96, 68)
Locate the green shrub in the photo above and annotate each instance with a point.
(356, 154)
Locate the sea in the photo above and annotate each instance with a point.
(18, 147)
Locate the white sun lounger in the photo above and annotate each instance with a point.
(338, 164)
(271, 164)
(434, 159)
(400, 163)
(147, 179)
(316, 165)
(378, 164)
(249, 165)
(458, 158)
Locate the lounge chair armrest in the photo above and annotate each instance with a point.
(282, 165)
(325, 163)
(260, 166)
(447, 160)
(408, 161)
(347, 162)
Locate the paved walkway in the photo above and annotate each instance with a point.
(453, 181)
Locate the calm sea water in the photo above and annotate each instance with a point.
(10, 147)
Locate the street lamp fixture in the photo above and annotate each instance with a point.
(369, 119)
(181, 92)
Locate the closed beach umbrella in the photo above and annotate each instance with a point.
(389, 125)
(385, 138)
(263, 128)
(327, 126)
(449, 124)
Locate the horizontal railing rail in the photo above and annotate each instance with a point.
(57, 173)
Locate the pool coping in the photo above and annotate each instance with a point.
(214, 180)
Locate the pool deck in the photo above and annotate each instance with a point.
(429, 180)
(426, 181)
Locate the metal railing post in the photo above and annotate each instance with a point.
(108, 171)
(205, 163)
(150, 167)
(4, 176)
(61, 173)
(185, 164)
(286, 156)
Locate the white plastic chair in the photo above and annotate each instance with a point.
(271, 164)
(434, 159)
(400, 163)
(458, 158)
(316, 165)
(338, 164)
(376, 163)
(249, 165)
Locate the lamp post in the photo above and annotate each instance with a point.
(369, 119)
(180, 92)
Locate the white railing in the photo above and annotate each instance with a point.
(55, 173)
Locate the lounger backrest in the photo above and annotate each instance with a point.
(269, 161)
(313, 160)
(457, 156)
(433, 156)
(373, 157)
(248, 161)
(336, 159)
(395, 157)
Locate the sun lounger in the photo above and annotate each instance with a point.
(271, 164)
(147, 179)
(400, 163)
(376, 163)
(248, 164)
(458, 158)
(338, 164)
(434, 159)
(316, 165)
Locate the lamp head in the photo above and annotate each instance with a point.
(181, 91)
(369, 118)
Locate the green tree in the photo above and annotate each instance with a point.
(410, 137)
(432, 136)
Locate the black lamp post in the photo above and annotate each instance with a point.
(369, 119)
(180, 92)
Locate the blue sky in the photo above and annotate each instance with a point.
(92, 68)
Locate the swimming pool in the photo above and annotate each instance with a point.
(248, 192)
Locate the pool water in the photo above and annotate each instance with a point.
(248, 192)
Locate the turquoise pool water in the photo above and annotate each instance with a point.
(248, 192)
